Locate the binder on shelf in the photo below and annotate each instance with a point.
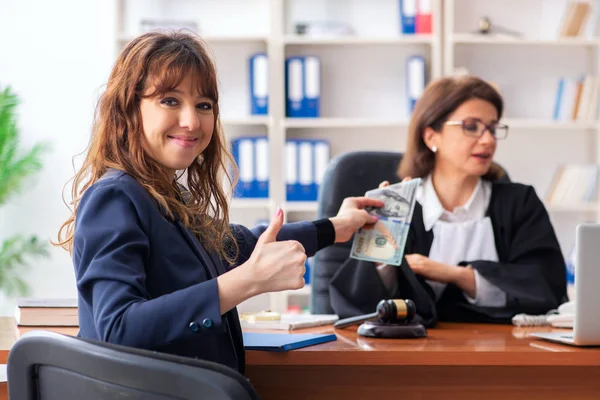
(415, 80)
(321, 160)
(408, 14)
(291, 170)
(306, 163)
(303, 84)
(259, 84)
(306, 170)
(423, 17)
(242, 150)
(312, 87)
(251, 154)
(261, 153)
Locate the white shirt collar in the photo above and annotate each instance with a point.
(474, 208)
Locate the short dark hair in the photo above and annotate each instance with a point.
(440, 99)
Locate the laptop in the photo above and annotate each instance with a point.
(586, 323)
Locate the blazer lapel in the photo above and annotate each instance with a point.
(196, 246)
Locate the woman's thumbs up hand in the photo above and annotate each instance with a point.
(274, 265)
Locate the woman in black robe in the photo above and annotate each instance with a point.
(480, 248)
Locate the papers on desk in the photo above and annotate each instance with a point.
(289, 322)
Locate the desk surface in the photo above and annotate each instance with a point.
(448, 344)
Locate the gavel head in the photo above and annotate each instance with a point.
(396, 310)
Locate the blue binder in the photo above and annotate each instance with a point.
(415, 80)
(321, 156)
(306, 171)
(242, 149)
(306, 163)
(259, 84)
(303, 87)
(312, 87)
(408, 14)
(291, 170)
(251, 154)
(284, 341)
(261, 165)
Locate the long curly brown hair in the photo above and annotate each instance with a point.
(162, 59)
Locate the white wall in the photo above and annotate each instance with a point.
(56, 55)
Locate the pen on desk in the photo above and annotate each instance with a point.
(342, 323)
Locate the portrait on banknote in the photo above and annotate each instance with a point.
(384, 241)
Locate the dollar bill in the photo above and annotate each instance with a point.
(384, 241)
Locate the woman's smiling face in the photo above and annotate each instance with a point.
(177, 125)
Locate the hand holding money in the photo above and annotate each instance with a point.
(352, 215)
(384, 241)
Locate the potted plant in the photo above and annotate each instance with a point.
(15, 167)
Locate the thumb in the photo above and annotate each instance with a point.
(270, 234)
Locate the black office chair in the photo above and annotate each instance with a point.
(49, 366)
(350, 174)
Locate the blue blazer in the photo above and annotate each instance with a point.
(145, 281)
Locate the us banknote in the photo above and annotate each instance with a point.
(384, 241)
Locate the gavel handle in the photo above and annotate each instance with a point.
(342, 323)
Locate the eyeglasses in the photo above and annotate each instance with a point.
(474, 127)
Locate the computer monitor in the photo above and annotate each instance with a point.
(586, 324)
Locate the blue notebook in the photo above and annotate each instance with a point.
(284, 342)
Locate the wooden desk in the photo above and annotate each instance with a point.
(456, 361)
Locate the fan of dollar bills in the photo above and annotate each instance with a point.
(384, 241)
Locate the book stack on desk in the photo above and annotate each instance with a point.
(45, 313)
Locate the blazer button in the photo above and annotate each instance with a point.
(194, 327)
(207, 323)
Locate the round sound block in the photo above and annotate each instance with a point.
(393, 331)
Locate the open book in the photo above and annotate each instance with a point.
(289, 322)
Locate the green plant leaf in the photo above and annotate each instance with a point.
(16, 165)
(15, 255)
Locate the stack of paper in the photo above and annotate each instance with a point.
(289, 322)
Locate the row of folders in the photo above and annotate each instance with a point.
(577, 99)
(305, 165)
(303, 84)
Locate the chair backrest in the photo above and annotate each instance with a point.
(48, 366)
(350, 174)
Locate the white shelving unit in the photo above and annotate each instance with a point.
(363, 101)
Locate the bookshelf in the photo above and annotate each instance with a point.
(363, 104)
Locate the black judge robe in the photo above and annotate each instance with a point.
(531, 267)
